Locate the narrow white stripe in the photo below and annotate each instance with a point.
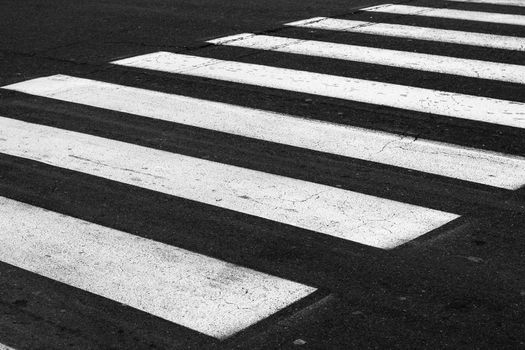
(495, 2)
(349, 215)
(406, 97)
(476, 16)
(418, 33)
(431, 63)
(422, 155)
(205, 294)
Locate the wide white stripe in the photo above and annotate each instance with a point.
(449, 104)
(412, 32)
(349, 215)
(205, 294)
(495, 2)
(404, 59)
(417, 154)
(5, 347)
(476, 16)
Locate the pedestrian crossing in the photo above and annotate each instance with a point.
(432, 63)
(493, 41)
(469, 164)
(456, 105)
(196, 291)
(494, 2)
(478, 16)
(310, 206)
(212, 296)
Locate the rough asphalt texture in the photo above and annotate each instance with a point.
(462, 287)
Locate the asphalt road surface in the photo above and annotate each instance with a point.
(262, 174)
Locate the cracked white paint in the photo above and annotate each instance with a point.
(495, 2)
(454, 161)
(404, 59)
(476, 16)
(412, 32)
(449, 104)
(333, 211)
(199, 292)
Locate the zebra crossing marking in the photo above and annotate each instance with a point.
(456, 105)
(414, 32)
(205, 294)
(477, 16)
(495, 2)
(424, 62)
(193, 290)
(354, 216)
(489, 168)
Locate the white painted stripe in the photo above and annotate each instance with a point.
(454, 161)
(412, 32)
(5, 347)
(205, 294)
(476, 16)
(449, 104)
(495, 2)
(349, 215)
(404, 59)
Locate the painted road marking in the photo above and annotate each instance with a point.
(5, 347)
(333, 211)
(495, 2)
(489, 168)
(476, 16)
(449, 104)
(196, 291)
(412, 32)
(404, 59)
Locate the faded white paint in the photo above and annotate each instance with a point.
(495, 2)
(199, 292)
(454, 161)
(476, 16)
(413, 32)
(444, 103)
(348, 215)
(431, 63)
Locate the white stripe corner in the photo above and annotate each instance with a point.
(202, 293)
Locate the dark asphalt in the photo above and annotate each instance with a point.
(461, 287)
